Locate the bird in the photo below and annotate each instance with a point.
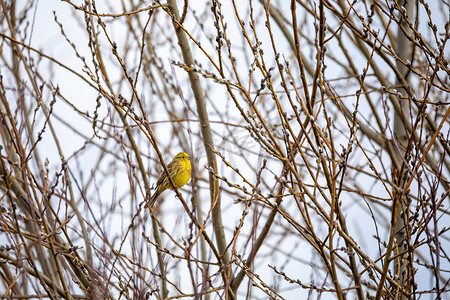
(180, 172)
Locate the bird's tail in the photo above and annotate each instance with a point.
(154, 197)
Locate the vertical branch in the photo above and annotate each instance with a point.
(401, 123)
(206, 135)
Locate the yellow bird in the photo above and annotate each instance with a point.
(180, 172)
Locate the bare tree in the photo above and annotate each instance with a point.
(318, 134)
